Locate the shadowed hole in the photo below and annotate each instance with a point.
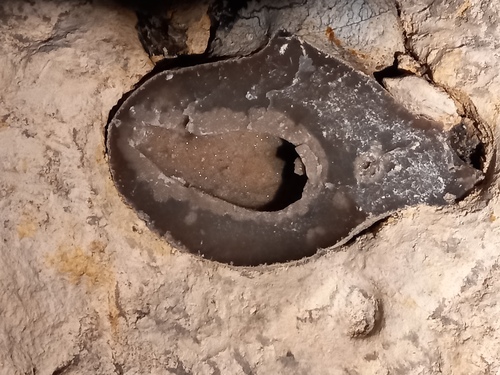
(294, 179)
(468, 145)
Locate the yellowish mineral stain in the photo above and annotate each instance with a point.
(460, 13)
(27, 227)
(445, 72)
(91, 267)
(22, 166)
(100, 156)
(79, 265)
(113, 315)
(330, 34)
(161, 248)
(198, 35)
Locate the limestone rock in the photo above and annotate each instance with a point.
(87, 288)
(409, 64)
(424, 99)
(366, 33)
(458, 41)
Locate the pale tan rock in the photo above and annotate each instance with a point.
(424, 99)
(86, 288)
(198, 35)
(459, 42)
(409, 64)
(195, 20)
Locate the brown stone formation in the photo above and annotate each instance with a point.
(242, 168)
(194, 151)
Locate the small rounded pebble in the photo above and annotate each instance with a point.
(362, 313)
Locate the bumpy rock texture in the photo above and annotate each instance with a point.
(364, 32)
(85, 288)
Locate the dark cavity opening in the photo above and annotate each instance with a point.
(293, 179)
(468, 145)
(389, 72)
(478, 156)
(225, 12)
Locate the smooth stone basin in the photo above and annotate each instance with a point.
(198, 153)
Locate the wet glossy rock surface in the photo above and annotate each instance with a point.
(364, 155)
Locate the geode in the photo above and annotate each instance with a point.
(270, 157)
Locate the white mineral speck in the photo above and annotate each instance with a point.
(250, 96)
(303, 50)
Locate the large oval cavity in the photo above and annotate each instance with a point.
(270, 157)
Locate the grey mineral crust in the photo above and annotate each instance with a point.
(368, 156)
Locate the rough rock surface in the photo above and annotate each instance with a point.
(366, 33)
(168, 29)
(458, 41)
(424, 99)
(87, 289)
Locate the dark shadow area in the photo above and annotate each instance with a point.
(157, 35)
(478, 156)
(157, 31)
(390, 72)
(292, 185)
(155, 6)
(468, 146)
(224, 12)
(160, 36)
